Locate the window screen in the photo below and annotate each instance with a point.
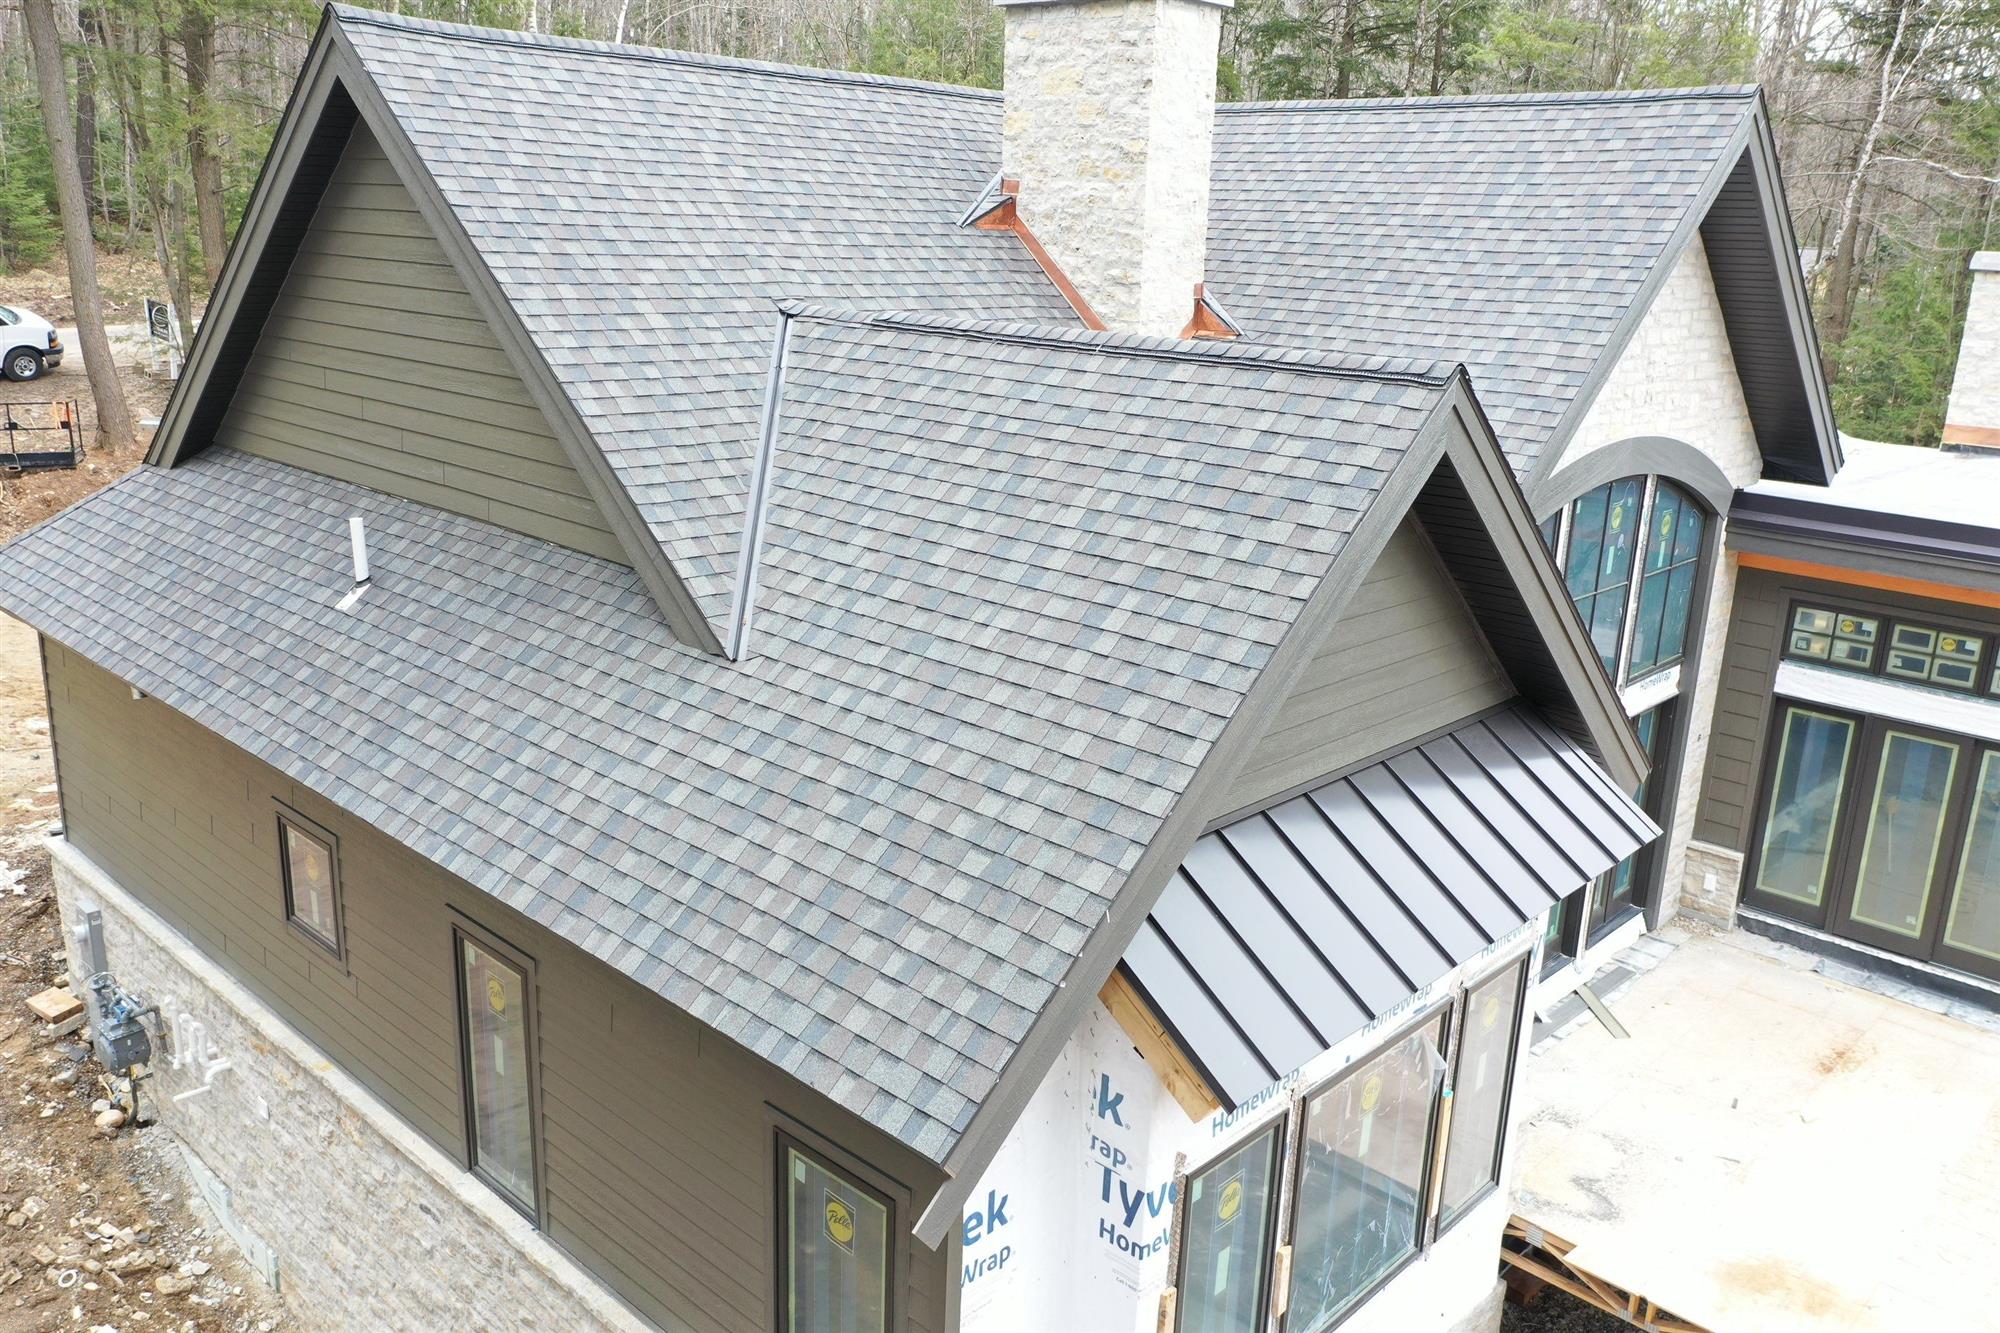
(1363, 1158)
(499, 1088)
(1226, 1240)
(1480, 1087)
(309, 884)
(835, 1235)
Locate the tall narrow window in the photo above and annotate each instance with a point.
(1974, 923)
(1364, 1155)
(1603, 536)
(312, 887)
(1226, 1240)
(495, 1026)
(833, 1247)
(1480, 1085)
(1666, 586)
(1906, 821)
(1813, 751)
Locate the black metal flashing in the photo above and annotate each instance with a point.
(1289, 930)
(1814, 525)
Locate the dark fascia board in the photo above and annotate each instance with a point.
(335, 71)
(1497, 496)
(1640, 456)
(313, 109)
(1051, 1029)
(1752, 142)
(1929, 550)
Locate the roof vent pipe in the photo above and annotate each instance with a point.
(360, 540)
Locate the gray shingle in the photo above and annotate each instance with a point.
(1013, 587)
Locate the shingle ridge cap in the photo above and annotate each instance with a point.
(1606, 97)
(1236, 353)
(659, 55)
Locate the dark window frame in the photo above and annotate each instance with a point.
(1524, 979)
(1766, 790)
(290, 821)
(464, 930)
(788, 1136)
(1985, 668)
(1278, 1128)
(1447, 1007)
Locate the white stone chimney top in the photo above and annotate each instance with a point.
(1972, 415)
(1109, 127)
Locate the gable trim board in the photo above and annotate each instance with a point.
(1643, 455)
(334, 76)
(1455, 435)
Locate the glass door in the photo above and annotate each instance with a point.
(1970, 939)
(1903, 824)
(1798, 844)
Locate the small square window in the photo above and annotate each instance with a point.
(312, 882)
(1812, 620)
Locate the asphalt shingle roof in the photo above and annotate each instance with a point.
(1013, 586)
(642, 209)
(1510, 233)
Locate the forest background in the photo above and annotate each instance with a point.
(1885, 111)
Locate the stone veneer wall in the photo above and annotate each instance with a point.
(1109, 126)
(370, 1225)
(1713, 883)
(1677, 378)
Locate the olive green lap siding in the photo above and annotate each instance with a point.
(657, 1141)
(376, 367)
(1405, 659)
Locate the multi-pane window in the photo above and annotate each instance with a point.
(1226, 1250)
(1922, 654)
(1370, 1187)
(1813, 753)
(312, 887)
(833, 1247)
(1631, 553)
(497, 1044)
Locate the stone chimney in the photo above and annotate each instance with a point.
(1972, 417)
(1110, 119)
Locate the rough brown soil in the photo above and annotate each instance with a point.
(96, 1234)
(124, 279)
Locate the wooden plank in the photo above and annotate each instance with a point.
(55, 1005)
(1158, 1048)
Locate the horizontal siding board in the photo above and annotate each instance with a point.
(1405, 659)
(375, 366)
(656, 1135)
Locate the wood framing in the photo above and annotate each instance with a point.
(1157, 1047)
(1534, 1259)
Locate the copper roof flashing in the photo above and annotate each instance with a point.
(1005, 216)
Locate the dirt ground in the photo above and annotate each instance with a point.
(27, 500)
(96, 1234)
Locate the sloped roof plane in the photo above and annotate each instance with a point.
(627, 217)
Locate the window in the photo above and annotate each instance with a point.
(1598, 567)
(833, 1251)
(1839, 638)
(312, 886)
(1482, 1078)
(1226, 1239)
(1666, 585)
(1813, 752)
(1934, 656)
(495, 990)
(1364, 1157)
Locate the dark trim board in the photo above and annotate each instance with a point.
(1640, 456)
(1899, 545)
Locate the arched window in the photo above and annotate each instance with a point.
(1631, 553)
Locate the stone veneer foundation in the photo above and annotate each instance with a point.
(364, 1223)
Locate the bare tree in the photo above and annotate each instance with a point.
(114, 419)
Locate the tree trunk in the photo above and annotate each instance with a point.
(114, 419)
(86, 125)
(204, 164)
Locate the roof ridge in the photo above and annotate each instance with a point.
(1241, 353)
(659, 55)
(1710, 92)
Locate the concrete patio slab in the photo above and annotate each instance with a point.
(1773, 1150)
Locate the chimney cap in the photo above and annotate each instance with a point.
(1986, 261)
